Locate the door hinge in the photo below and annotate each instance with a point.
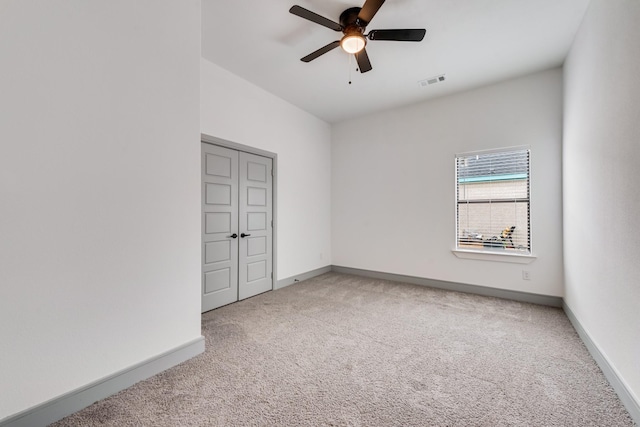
(272, 172)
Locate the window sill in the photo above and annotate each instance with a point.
(494, 256)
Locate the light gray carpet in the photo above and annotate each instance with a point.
(341, 350)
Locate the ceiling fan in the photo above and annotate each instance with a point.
(353, 23)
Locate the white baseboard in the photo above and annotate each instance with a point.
(62, 406)
(626, 396)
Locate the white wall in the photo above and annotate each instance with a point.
(238, 111)
(99, 190)
(393, 188)
(601, 199)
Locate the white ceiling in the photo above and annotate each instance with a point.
(472, 42)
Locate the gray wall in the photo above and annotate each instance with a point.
(236, 110)
(393, 183)
(99, 190)
(601, 155)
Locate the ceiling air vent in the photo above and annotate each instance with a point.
(432, 80)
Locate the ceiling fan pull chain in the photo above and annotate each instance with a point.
(349, 69)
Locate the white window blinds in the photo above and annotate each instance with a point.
(492, 195)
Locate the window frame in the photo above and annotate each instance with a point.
(492, 254)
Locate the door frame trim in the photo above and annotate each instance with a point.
(208, 139)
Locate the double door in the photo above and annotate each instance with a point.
(237, 228)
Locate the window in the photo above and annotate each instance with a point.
(492, 201)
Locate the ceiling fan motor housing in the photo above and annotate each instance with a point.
(349, 21)
(353, 40)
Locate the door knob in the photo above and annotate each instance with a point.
(233, 236)
(245, 235)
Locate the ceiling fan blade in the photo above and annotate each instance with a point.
(369, 9)
(407, 35)
(363, 61)
(314, 17)
(321, 51)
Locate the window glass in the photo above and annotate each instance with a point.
(493, 201)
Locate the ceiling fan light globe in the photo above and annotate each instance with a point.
(352, 43)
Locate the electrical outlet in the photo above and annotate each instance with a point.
(526, 275)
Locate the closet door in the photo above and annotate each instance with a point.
(219, 226)
(256, 231)
(237, 225)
